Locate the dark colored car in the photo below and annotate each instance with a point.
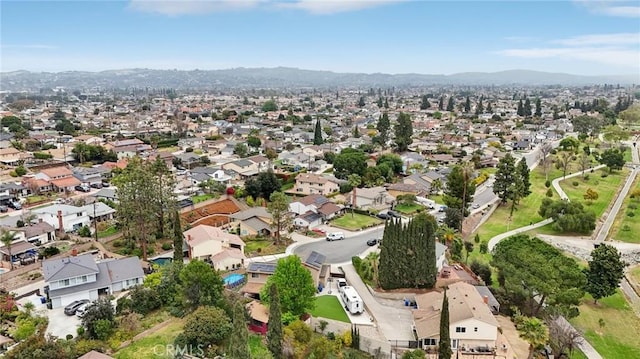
(96, 185)
(15, 205)
(84, 188)
(4, 208)
(73, 306)
(373, 241)
(383, 215)
(394, 214)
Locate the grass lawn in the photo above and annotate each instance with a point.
(201, 198)
(328, 306)
(618, 338)
(634, 273)
(436, 198)
(108, 232)
(626, 228)
(261, 247)
(258, 347)
(355, 221)
(408, 208)
(287, 186)
(153, 346)
(37, 198)
(606, 187)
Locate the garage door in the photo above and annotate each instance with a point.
(67, 299)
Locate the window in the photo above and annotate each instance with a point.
(475, 329)
(255, 275)
(83, 279)
(65, 282)
(429, 341)
(461, 330)
(79, 214)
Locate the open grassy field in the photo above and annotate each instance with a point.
(355, 221)
(606, 187)
(610, 326)
(328, 306)
(625, 227)
(154, 345)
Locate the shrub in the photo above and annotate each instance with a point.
(69, 336)
(118, 243)
(586, 177)
(549, 193)
(166, 246)
(604, 174)
(626, 228)
(331, 336)
(84, 231)
(547, 183)
(633, 206)
(630, 214)
(484, 247)
(575, 183)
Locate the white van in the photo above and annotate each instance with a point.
(335, 236)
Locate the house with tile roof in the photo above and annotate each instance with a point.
(313, 210)
(311, 183)
(253, 221)
(82, 277)
(223, 250)
(472, 326)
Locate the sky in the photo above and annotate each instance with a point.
(386, 36)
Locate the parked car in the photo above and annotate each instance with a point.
(83, 188)
(60, 201)
(475, 206)
(73, 306)
(373, 241)
(82, 309)
(442, 208)
(96, 185)
(15, 205)
(105, 184)
(383, 215)
(4, 208)
(393, 214)
(341, 282)
(336, 236)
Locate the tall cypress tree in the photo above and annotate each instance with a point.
(444, 345)
(451, 104)
(317, 135)
(520, 111)
(239, 339)
(441, 103)
(467, 105)
(523, 172)
(177, 238)
(274, 331)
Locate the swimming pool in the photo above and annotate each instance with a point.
(233, 280)
(2, 270)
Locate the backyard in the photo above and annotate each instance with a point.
(610, 326)
(355, 221)
(328, 306)
(626, 226)
(155, 345)
(201, 198)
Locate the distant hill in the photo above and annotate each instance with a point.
(283, 77)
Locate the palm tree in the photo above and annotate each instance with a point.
(534, 332)
(436, 186)
(7, 238)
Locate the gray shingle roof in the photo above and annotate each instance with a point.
(68, 267)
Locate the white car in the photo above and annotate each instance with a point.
(82, 309)
(336, 236)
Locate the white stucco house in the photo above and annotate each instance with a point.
(472, 326)
(82, 277)
(64, 217)
(225, 251)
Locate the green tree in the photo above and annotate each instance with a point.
(458, 194)
(274, 330)
(508, 183)
(241, 149)
(425, 104)
(239, 338)
(414, 354)
(296, 289)
(527, 107)
(613, 159)
(606, 270)
(520, 110)
(349, 161)
(206, 327)
(96, 316)
(538, 107)
(444, 343)
(383, 126)
(269, 106)
(479, 107)
(586, 125)
(7, 238)
(178, 237)
(568, 216)
(392, 160)
(532, 269)
(317, 135)
(407, 254)
(254, 142)
(441, 103)
(403, 132)
(263, 185)
(39, 346)
(278, 207)
(200, 285)
(534, 332)
(451, 104)
(467, 105)
(523, 173)
(361, 102)
(164, 200)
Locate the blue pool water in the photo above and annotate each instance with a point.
(233, 280)
(161, 261)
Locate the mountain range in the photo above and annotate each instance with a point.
(285, 77)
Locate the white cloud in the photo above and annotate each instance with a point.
(325, 7)
(612, 8)
(605, 55)
(629, 38)
(191, 7)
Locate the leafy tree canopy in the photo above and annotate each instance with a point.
(294, 284)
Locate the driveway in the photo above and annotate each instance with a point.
(60, 324)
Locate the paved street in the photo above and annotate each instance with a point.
(340, 251)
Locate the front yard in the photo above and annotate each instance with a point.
(328, 306)
(355, 221)
(408, 208)
(261, 246)
(610, 326)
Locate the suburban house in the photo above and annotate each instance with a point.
(255, 221)
(191, 142)
(257, 274)
(371, 198)
(82, 277)
(38, 233)
(99, 211)
(60, 179)
(64, 217)
(310, 183)
(259, 314)
(473, 328)
(10, 156)
(21, 250)
(128, 148)
(223, 250)
(243, 167)
(313, 210)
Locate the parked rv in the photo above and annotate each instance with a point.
(352, 301)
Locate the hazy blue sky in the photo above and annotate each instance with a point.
(435, 37)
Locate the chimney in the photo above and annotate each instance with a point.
(486, 299)
(74, 252)
(39, 220)
(188, 238)
(60, 225)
